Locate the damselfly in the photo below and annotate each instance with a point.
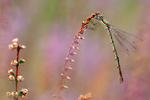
(119, 35)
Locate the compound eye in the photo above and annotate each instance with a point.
(101, 16)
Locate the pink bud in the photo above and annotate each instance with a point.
(10, 71)
(14, 94)
(23, 47)
(8, 94)
(11, 77)
(25, 91)
(15, 45)
(14, 63)
(20, 78)
(15, 40)
(11, 47)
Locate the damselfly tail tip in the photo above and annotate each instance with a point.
(121, 80)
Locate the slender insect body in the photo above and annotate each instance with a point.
(121, 36)
(109, 29)
(115, 53)
(104, 25)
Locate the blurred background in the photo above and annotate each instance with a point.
(47, 28)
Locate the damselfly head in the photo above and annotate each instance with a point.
(99, 17)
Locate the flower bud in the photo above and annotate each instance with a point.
(11, 47)
(14, 94)
(15, 45)
(65, 76)
(68, 68)
(67, 59)
(72, 53)
(77, 41)
(72, 47)
(25, 91)
(21, 60)
(11, 77)
(10, 71)
(8, 94)
(64, 87)
(72, 60)
(77, 48)
(15, 40)
(23, 47)
(14, 62)
(20, 78)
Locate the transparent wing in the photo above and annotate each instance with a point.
(93, 24)
(126, 40)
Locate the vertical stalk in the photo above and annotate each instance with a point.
(81, 31)
(18, 50)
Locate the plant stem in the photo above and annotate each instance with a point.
(65, 63)
(18, 50)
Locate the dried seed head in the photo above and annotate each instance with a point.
(64, 87)
(68, 68)
(65, 76)
(72, 53)
(15, 40)
(66, 59)
(77, 37)
(8, 94)
(14, 94)
(86, 26)
(72, 60)
(11, 77)
(93, 15)
(81, 37)
(14, 62)
(77, 42)
(77, 48)
(97, 13)
(88, 19)
(10, 71)
(72, 47)
(23, 47)
(83, 23)
(20, 78)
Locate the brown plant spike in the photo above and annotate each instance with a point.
(66, 69)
